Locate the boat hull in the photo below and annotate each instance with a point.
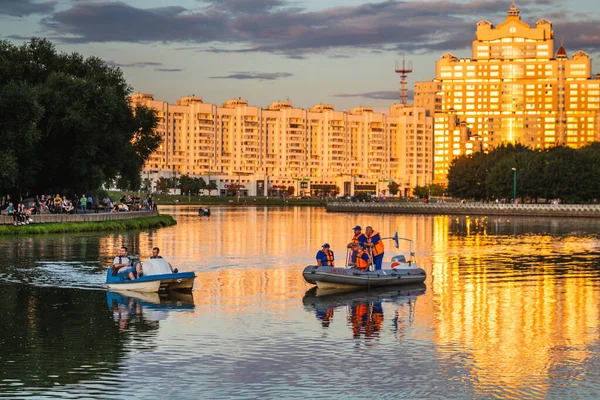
(183, 281)
(142, 287)
(346, 278)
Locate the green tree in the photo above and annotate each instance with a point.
(75, 127)
(394, 188)
(211, 186)
(421, 191)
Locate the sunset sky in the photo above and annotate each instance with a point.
(308, 51)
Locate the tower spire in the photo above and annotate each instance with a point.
(513, 11)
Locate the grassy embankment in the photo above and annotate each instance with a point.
(70, 227)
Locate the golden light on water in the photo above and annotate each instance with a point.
(510, 306)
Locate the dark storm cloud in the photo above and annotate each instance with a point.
(380, 95)
(22, 8)
(272, 26)
(119, 22)
(263, 76)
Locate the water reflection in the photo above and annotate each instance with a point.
(511, 309)
(364, 308)
(143, 311)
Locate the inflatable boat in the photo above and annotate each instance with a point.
(398, 271)
(204, 211)
(156, 276)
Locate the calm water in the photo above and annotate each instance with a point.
(510, 309)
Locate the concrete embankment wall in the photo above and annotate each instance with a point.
(525, 210)
(89, 217)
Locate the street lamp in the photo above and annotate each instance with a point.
(514, 185)
(209, 165)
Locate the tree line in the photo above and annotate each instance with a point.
(66, 124)
(559, 173)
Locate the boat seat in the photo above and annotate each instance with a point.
(156, 266)
(399, 258)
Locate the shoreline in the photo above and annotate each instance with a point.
(158, 221)
(516, 210)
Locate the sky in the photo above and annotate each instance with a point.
(340, 52)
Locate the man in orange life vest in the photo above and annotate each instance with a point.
(363, 259)
(375, 243)
(325, 257)
(358, 237)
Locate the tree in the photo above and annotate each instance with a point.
(394, 188)
(211, 186)
(291, 190)
(73, 125)
(147, 184)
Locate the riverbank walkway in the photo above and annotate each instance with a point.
(89, 217)
(524, 210)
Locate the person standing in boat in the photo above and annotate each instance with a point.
(375, 243)
(124, 267)
(358, 237)
(363, 259)
(325, 257)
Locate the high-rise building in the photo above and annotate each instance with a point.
(514, 89)
(319, 150)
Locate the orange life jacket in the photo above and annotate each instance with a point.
(360, 263)
(378, 248)
(329, 255)
(355, 238)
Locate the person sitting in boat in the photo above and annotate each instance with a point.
(156, 255)
(325, 257)
(358, 237)
(124, 267)
(375, 243)
(363, 259)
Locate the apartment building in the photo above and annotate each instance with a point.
(514, 89)
(319, 150)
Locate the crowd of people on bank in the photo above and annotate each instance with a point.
(23, 211)
(366, 249)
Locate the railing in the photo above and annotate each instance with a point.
(90, 216)
(533, 210)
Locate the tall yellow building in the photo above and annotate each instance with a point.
(319, 150)
(514, 89)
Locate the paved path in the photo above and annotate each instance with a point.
(526, 210)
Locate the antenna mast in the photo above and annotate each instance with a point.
(403, 68)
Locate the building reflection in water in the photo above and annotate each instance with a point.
(518, 303)
(364, 309)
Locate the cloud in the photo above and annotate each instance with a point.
(262, 76)
(169, 69)
(274, 26)
(140, 64)
(22, 8)
(380, 95)
(244, 6)
(119, 22)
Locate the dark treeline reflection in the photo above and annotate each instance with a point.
(53, 336)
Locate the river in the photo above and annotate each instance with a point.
(510, 309)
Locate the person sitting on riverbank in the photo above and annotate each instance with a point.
(124, 267)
